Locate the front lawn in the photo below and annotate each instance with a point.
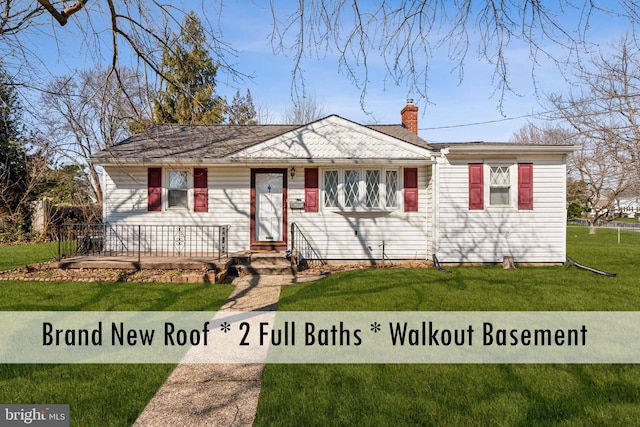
(13, 256)
(504, 395)
(114, 395)
(98, 395)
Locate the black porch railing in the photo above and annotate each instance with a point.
(143, 240)
(301, 245)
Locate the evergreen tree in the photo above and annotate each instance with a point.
(189, 79)
(13, 156)
(242, 111)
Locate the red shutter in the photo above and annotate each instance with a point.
(200, 190)
(525, 186)
(311, 189)
(154, 189)
(410, 189)
(476, 186)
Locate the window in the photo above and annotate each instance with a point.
(391, 189)
(364, 189)
(351, 188)
(178, 190)
(500, 186)
(330, 189)
(508, 186)
(372, 190)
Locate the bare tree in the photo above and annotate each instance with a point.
(607, 106)
(580, 196)
(88, 112)
(605, 112)
(405, 35)
(605, 180)
(408, 33)
(545, 133)
(304, 110)
(109, 31)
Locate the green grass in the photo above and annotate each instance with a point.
(106, 296)
(98, 395)
(506, 395)
(630, 220)
(487, 395)
(13, 256)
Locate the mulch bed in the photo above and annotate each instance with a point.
(48, 272)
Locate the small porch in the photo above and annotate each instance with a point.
(135, 243)
(126, 246)
(124, 262)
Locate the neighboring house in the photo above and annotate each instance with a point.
(627, 206)
(352, 190)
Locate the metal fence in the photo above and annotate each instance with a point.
(610, 224)
(143, 240)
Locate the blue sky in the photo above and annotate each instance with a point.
(452, 105)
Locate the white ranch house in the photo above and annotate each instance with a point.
(349, 189)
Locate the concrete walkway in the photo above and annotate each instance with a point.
(218, 394)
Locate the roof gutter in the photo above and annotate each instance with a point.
(256, 162)
(509, 149)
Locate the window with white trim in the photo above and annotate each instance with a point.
(372, 189)
(360, 189)
(351, 188)
(331, 183)
(500, 186)
(391, 188)
(178, 189)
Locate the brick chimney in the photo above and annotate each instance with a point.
(410, 116)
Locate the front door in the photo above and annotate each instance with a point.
(268, 216)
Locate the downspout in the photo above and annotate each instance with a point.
(564, 197)
(435, 216)
(104, 195)
(442, 159)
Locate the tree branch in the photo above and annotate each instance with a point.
(62, 17)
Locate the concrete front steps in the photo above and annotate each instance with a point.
(262, 264)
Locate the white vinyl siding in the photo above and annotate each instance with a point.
(358, 234)
(125, 202)
(337, 235)
(478, 236)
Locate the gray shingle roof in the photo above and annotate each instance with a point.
(192, 141)
(214, 141)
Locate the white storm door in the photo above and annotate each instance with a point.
(269, 198)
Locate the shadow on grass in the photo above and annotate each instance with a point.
(99, 296)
